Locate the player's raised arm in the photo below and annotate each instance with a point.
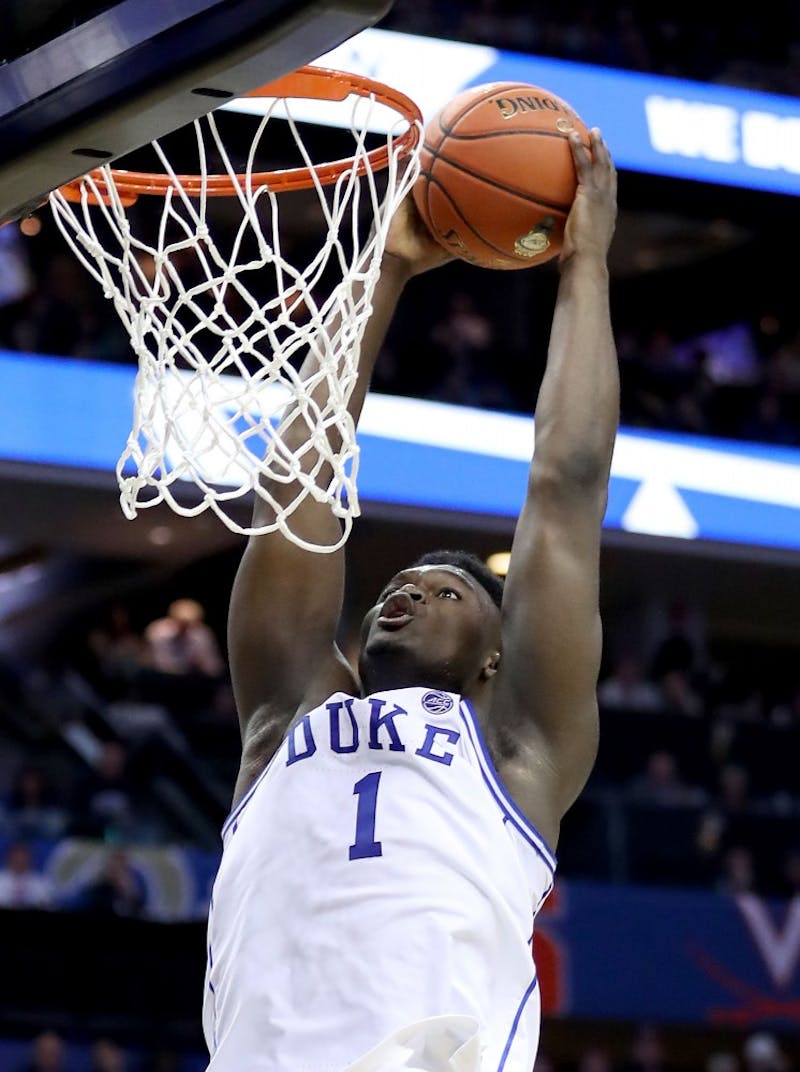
(544, 711)
(286, 601)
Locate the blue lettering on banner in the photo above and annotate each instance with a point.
(311, 745)
(426, 750)
(385, 720)
(334, 711)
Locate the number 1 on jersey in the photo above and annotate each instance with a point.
(365, 845)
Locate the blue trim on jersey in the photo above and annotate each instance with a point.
(543, 898)
(499, 791)
(237, 811)
(515, 1024)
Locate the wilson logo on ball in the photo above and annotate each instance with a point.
(533, 243)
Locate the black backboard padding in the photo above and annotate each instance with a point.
(127, 75)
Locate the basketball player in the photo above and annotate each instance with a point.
(393, 832)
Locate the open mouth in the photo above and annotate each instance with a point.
(397, 611)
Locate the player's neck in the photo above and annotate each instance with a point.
(387, 675)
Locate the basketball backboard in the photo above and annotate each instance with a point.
(82, 83)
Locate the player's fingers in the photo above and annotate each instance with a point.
(580, 154)
(600, 153)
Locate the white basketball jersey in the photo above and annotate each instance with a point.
(373, 909)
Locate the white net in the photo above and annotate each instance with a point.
(221, 322)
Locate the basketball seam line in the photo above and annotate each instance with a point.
(486, 95)
(555, 207)
(486, 242)
(509, 131)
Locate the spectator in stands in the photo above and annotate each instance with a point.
(678, 663)
(106, 797)
(162, 1060)
(627, 687)
(117, 890)
(118, 650)
(722, 1061)
(595, 1059)
(708, 846)
(183, 643)
(47, 1054)
(763, 1053)
(735, 697)
(738, 872)
(49, 321)
(678, 648)
(661, 784)
(21, 886)
(186, 662)
(33, 810)
(466, 337)
(768, 423)
(788, 713)
(107, 1056)
(646, 1052)
(690, 412)
(678, 695)
(733, 790)
(783, 369)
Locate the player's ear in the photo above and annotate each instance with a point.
(490, 665)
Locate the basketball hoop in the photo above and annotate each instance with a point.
(219, 322)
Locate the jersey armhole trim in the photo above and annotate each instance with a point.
(239, 808)
(501, 795)
(237, 811)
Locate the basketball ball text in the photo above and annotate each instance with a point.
(511, 106)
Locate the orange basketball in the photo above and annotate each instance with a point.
(498, 178)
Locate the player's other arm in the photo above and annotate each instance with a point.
(286, 601)
(544, 712)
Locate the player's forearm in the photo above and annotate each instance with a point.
(393, 278)
(389, 287)
(577, 413)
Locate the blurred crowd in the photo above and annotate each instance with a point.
(647, 1049)
(465, 344)
(760, 49)
(640, 1048)
(53, 1051)
(132, 741)
(467, 337)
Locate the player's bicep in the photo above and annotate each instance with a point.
(282, 622)
(552, 638)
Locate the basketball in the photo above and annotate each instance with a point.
(497, 177)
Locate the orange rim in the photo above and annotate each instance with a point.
(314, 83)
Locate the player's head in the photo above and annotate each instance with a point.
(436, 623)
(469, 563)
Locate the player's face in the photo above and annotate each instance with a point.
(431, 625)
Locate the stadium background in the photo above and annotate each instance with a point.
(673, 937)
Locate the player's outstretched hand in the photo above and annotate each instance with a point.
(409, 242)
(593, 216)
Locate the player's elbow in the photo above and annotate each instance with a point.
(576, 473)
